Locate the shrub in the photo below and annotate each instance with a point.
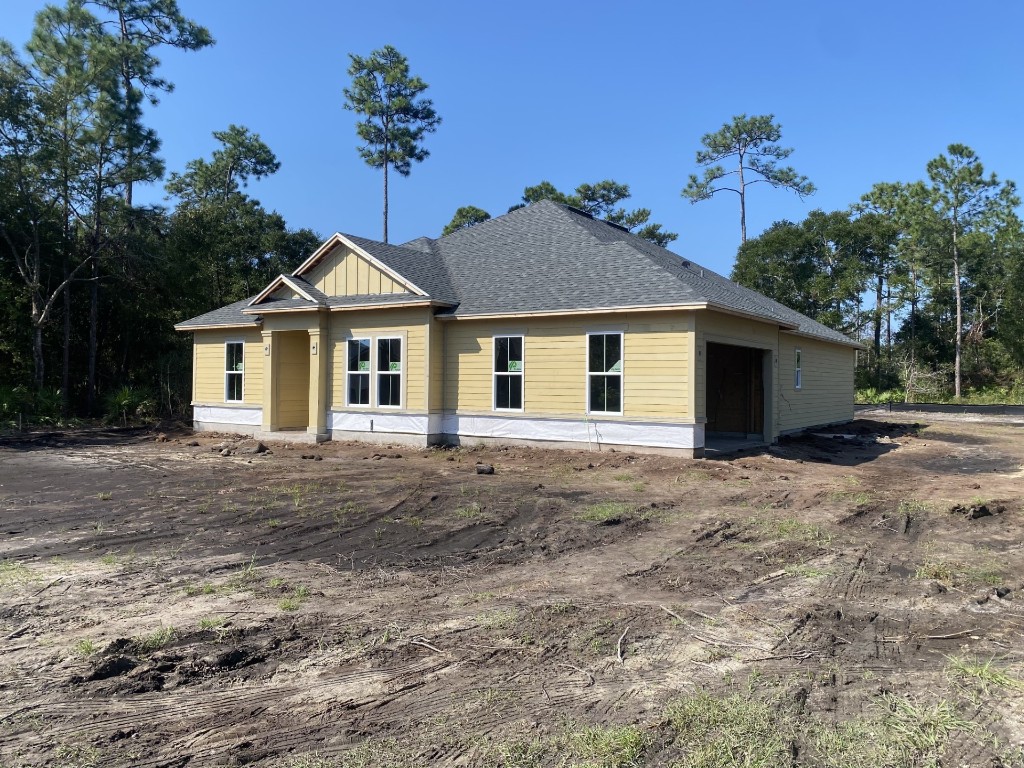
(128, 403)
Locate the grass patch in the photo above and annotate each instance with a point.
(791, 529)
(294, 600)
(503, 618)
(86, 647)
(807, 571)
(77, 756)
(984, 676)
(212, 622)
(744, 730)
(736, 730)
(470, 511)
(606, 511)
(200, 589)
(369, 754)
(957, 574)
(13, 572)
(154, 641)
(857, 498)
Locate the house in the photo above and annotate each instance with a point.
(544, 325)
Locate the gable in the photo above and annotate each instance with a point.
(284, 292)
(344, 272)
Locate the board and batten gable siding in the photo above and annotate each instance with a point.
(720, 328)
(827, 392)
(656, 364)
(409, 324)
(343, 272)
(209, 362)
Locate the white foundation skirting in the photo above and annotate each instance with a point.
(584, 432)
(640, 433)
(245, 417)
(387, 423)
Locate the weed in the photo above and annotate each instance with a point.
(109, 559)
(566, 606)
(13, 572)
(955, 573)
(611, 747)
(794, 530)
(923, 729)
(86, 647)
(155, 640)
(469, 511)
(369, 754)
(349, 508)
(294, 600)
(202, 589)
(246, 575)
(606, 511)
(276, 583)
(736, 730)
(273, 522)
(415, 522)
(104, 496)
(982, 674)
(623, 477)
(638, 486)
(77, 755)
(806, 571)
(911, 506)
(212, 622)
(692, 476)
(503, 618)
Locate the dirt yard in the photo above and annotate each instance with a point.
(833, 601)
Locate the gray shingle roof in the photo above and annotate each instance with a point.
(545, 257)
(229, 315)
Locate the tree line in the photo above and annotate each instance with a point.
(91, 281)
(928, 273)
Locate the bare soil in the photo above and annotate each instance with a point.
(162, 604)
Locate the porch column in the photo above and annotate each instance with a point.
(269, 383)
(318, 379)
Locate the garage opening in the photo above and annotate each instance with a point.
(735, 391)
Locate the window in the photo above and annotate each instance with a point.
(389, 372)
(604, 372)
(798, 379)
(358, 371)
(508, 373)
(234, 371)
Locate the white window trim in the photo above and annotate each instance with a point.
(621, 373)
(348, 403)
(226, 371)
(798, 371)
(374, 357)
(521, 373)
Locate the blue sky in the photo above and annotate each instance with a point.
(578, 92)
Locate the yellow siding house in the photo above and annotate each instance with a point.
(544, 325)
